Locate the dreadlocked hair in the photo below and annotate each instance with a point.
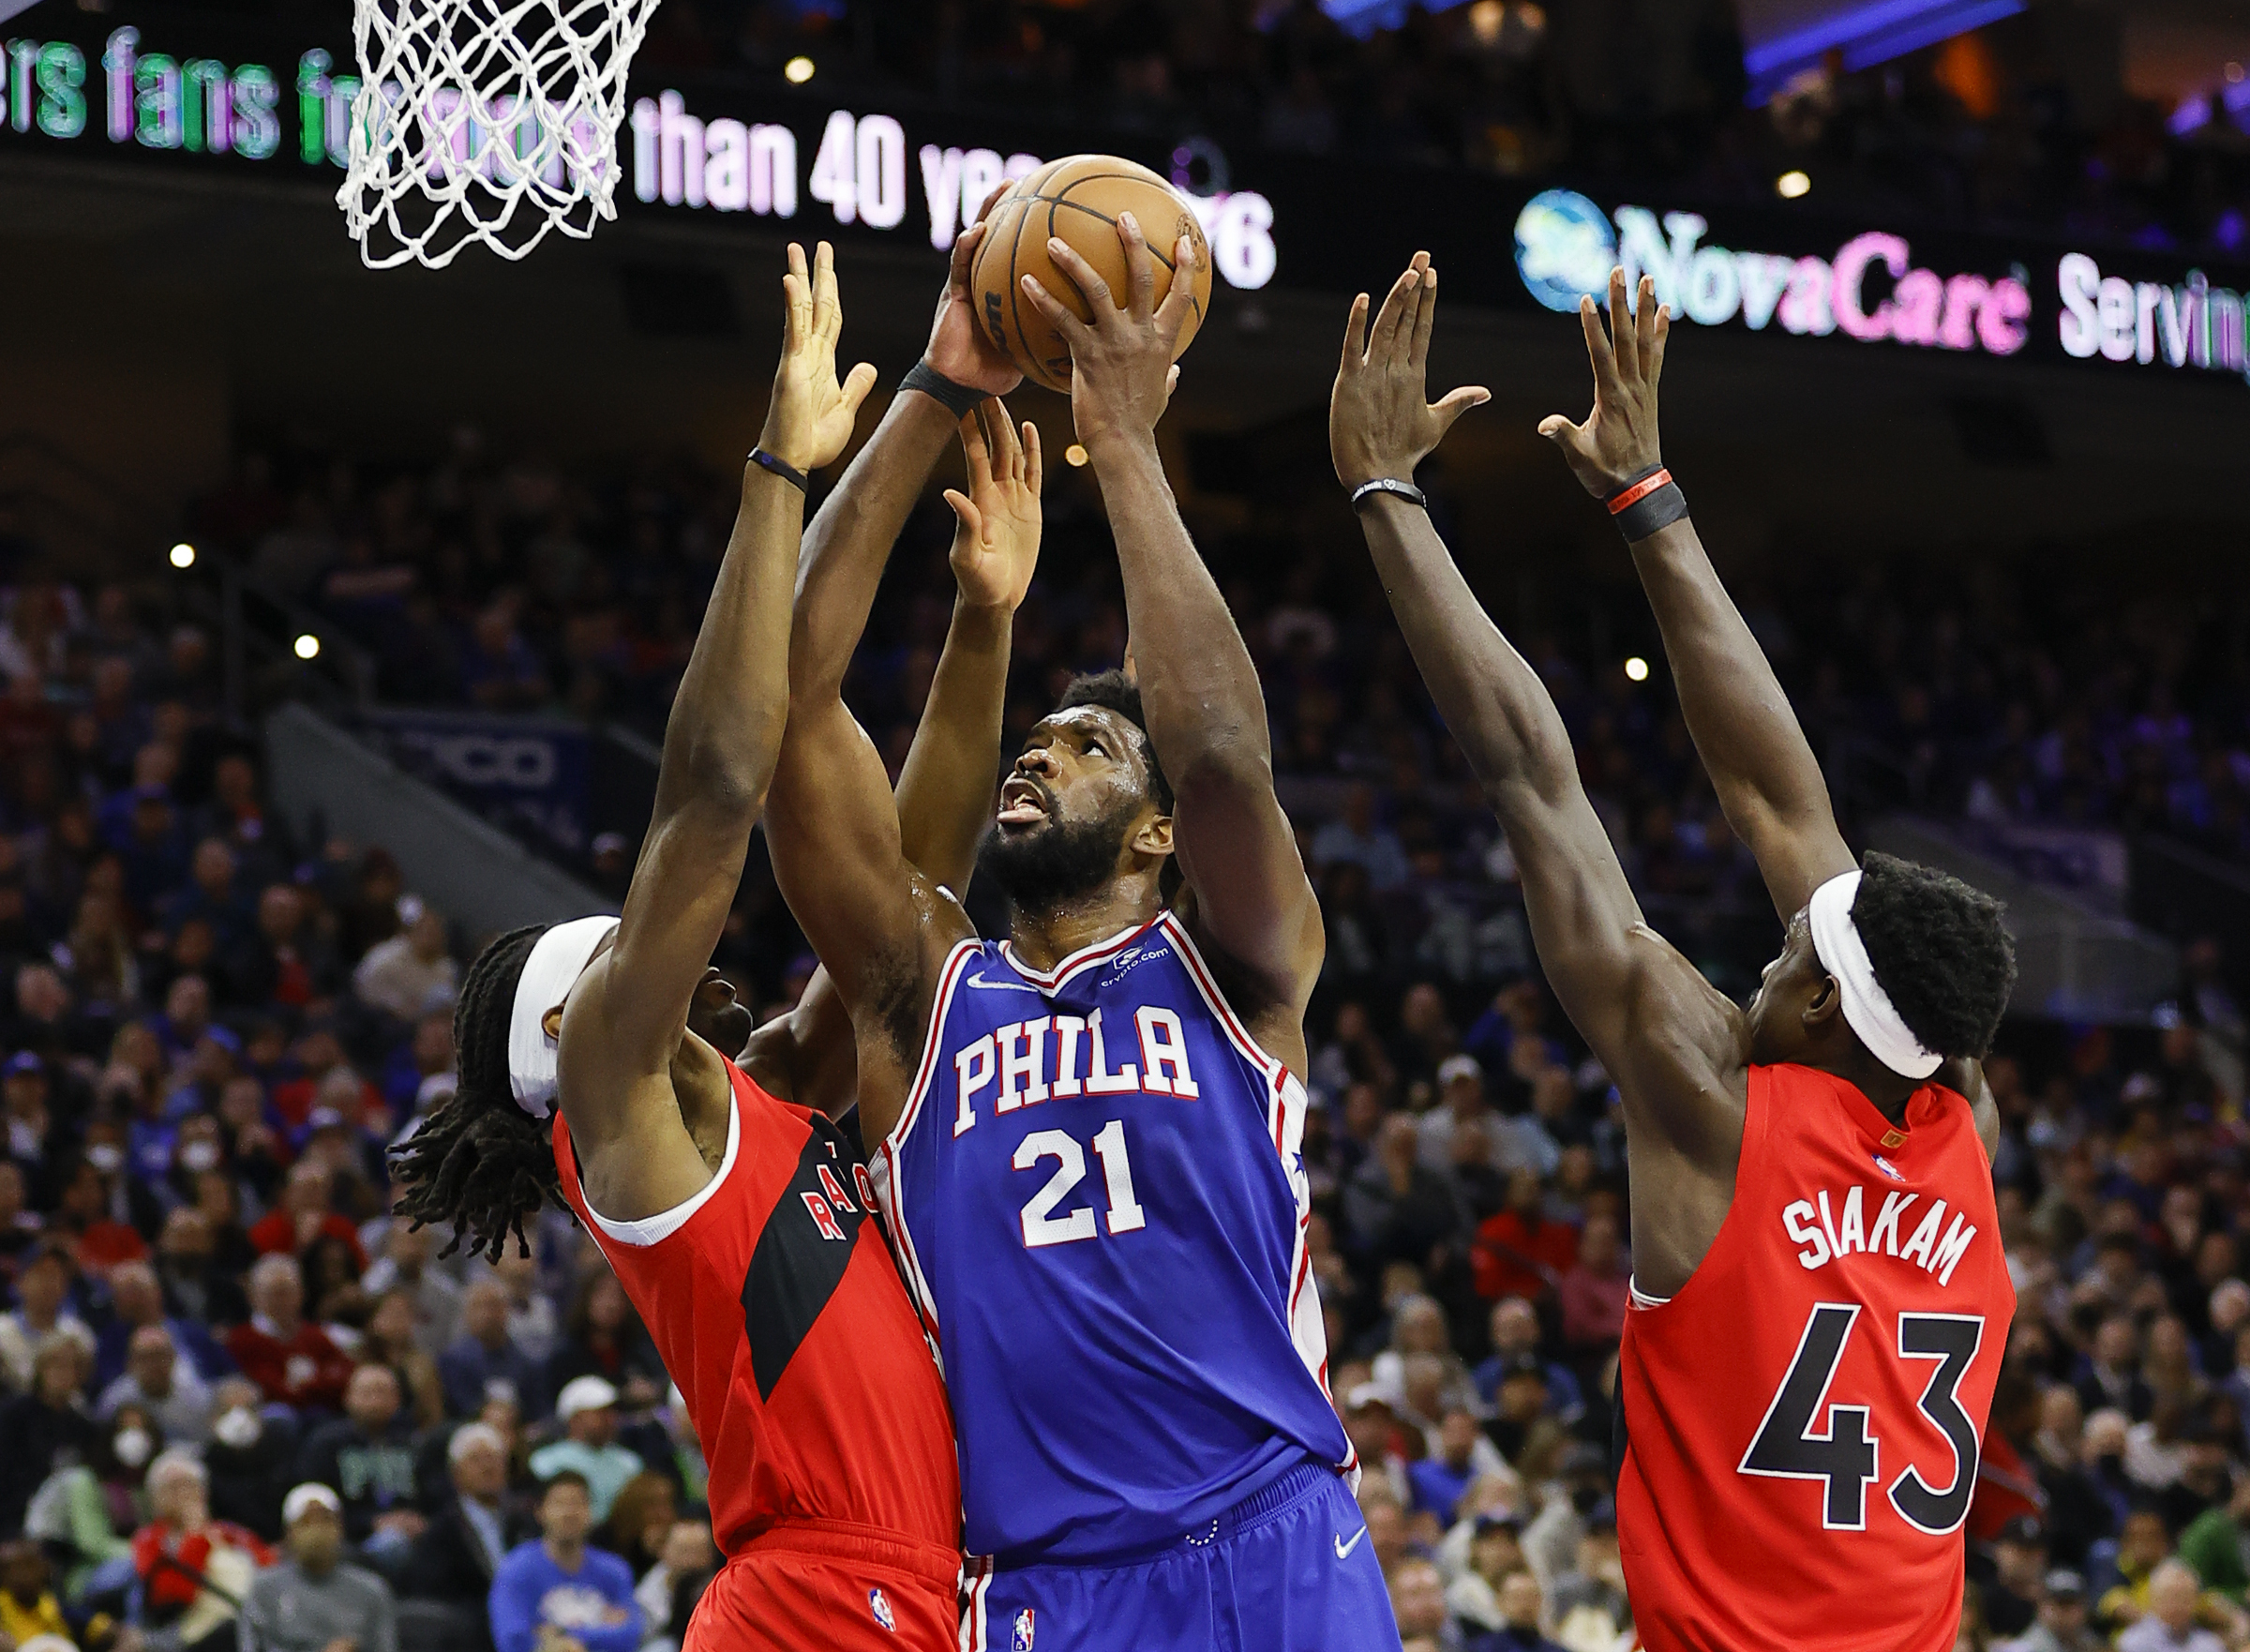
(1940, 950)
(1114, 691)
(480, 1163)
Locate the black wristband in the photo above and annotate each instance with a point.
(957, 399)
(1650, 501)
(1406, 490)
(782, 468)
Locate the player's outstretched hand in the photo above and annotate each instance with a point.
(1121, 372)
(958, 347)
(1618, 440)
(1380, 422)
(810, 419)
(996, 539)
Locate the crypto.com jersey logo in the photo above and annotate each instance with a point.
(1566, 249)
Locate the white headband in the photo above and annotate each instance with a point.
(557, 960)
(1867, 1007)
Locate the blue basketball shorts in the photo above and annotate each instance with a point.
(1287, 1570)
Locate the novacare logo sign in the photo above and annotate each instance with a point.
(1871, 290)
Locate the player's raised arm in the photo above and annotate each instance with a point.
(1671, 1041)
(1767, 780)
(623, 1021)
(1206, 715)
(833, 829)
(945, 791)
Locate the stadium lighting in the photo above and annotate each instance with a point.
(183, 555)
(1792, 186)
(797, 70)
(1636, 669)
(307, 646)
(1074, 454)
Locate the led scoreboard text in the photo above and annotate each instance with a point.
(127, 91)
(859, 169)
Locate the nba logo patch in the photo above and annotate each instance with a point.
(1888, 1168)
(1021, 1639)
(881, 1608)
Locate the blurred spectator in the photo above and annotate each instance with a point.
(194, 1570)
(1588, 1606)
(1418, 1600)
(2011, 1598)
(137, 1304)
(2170, 1624)
(458, 1555)
(602, 1336)
(668, 1591)
(412, 973)
(434, 1296)
(314, 1601)
(1592, 1291)
(586, 1410)
(160, 1380)
(28, 1603)
(46, 1428)
(305, 1213)
(640, 1521)
(2217, 1542)
(1522, 1609)
(1516, 1336)
(2061, 1626)
(1463, 1454)
(250, 1460)
(42, 1284)
(367, 1455)
(1523, 1251)
(559, 1588)
(294, 1362)
(485, 1354)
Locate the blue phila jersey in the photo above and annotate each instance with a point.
(1099, 1197)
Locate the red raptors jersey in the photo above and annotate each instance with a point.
(1802, 1420)
(779, 1312)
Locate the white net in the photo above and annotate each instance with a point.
(490, 121)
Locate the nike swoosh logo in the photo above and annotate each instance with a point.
(1344, 1550)
(983, 985)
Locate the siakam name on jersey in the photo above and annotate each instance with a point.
(1829, 1231)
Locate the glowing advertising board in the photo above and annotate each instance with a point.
(724, 153)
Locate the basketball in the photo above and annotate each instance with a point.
(1077, 199)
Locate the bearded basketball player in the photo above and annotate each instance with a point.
(1820, 1299)
(1087, 1137)
(734, 1213)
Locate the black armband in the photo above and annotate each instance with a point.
(957, 399)
(782, 468)
(1392, 486)
(1649, 502)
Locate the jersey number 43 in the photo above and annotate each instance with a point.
(1842, 1452)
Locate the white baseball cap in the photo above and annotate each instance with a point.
(307, 1497)
(585, 1393)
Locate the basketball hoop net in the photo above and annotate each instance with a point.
(485, 120)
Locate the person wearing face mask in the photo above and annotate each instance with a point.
(161, 1381)
(250, 1464)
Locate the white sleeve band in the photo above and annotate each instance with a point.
(1868, 1007)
